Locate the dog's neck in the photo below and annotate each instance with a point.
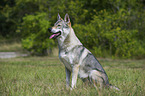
(68, 41)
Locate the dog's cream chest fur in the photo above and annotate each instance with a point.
(67, 59)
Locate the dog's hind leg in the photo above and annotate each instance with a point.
(96, 78)
(74, 75)
(68, 74)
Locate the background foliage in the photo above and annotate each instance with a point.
(35, 35)
(109, 27)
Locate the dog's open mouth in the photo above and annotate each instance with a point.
(55, 35)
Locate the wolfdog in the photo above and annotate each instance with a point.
(77, 59)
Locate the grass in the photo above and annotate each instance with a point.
(45, 76)
(9, 47)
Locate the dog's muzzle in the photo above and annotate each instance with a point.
(49, 29)
(55, 35)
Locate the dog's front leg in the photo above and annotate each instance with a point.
(74, 75)
(68, 74)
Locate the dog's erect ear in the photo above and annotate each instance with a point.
(58, 17)
(66, 18)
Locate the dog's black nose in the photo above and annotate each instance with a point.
(49, 29)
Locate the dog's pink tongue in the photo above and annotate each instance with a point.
(52, 36)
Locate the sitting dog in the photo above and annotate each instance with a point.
(77, 59)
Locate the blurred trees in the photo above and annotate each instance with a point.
(35, 35)
(113, 27)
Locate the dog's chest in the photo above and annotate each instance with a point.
(67, 58)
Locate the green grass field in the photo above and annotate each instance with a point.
(45, 76)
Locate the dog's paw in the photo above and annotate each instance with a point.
(68, 87)
(71, 88)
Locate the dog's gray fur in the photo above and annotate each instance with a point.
(77, 59)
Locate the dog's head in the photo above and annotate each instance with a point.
(61, 27)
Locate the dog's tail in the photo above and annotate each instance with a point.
(113, 87)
